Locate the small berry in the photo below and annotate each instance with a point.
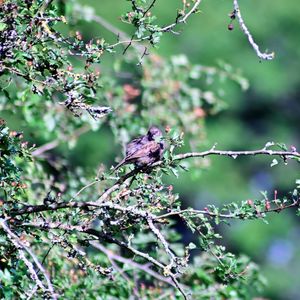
(78, 35)
(250, 202)
(167, 129)
(293, 148)
(199, 112)
(230, 27)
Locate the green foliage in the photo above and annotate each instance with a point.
(13, 154)
(39, 56)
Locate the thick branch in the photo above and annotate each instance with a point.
(61, 205)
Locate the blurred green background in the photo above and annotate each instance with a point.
(268, 111)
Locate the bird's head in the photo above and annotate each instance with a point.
(154, 133)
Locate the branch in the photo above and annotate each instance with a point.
(258, 214)
(235, 154)
(101, 21)
(21, 247)
(182, 20)
(149, 8)
(167, 269)
(161, 238)
(265, 56)
(108, 238)
(232, 154)
(167, 28)
(44, 6)
(116, 186)
(53, 144)
(133, 210)
(121, 34)
(145, 268)
(61, 205)
(99, 203)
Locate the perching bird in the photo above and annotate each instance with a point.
(144, 150)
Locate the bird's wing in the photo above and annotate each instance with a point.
(145, 150)
(135, 144)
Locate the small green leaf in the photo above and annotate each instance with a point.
(282, 146)
(175, 172)
(2, 26)
(191, 246)
(274, 162)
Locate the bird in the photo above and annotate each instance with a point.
(144, 150)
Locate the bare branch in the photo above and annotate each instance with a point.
(265, 56)
(149, 8)
(183, 19)
(53, 144)
(233, 154)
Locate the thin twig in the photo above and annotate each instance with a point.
(101, 21)
(125, 39)
(106, 237)
(145, 268)
(189, 211)
(162, 240)
(53, 144)
(182, 20)
(149, 8)
(22, 248)
(44, 6)
(235, 154)
(32, 292)
(265, 56)
(167, 28)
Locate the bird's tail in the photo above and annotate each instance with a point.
(119, 165)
